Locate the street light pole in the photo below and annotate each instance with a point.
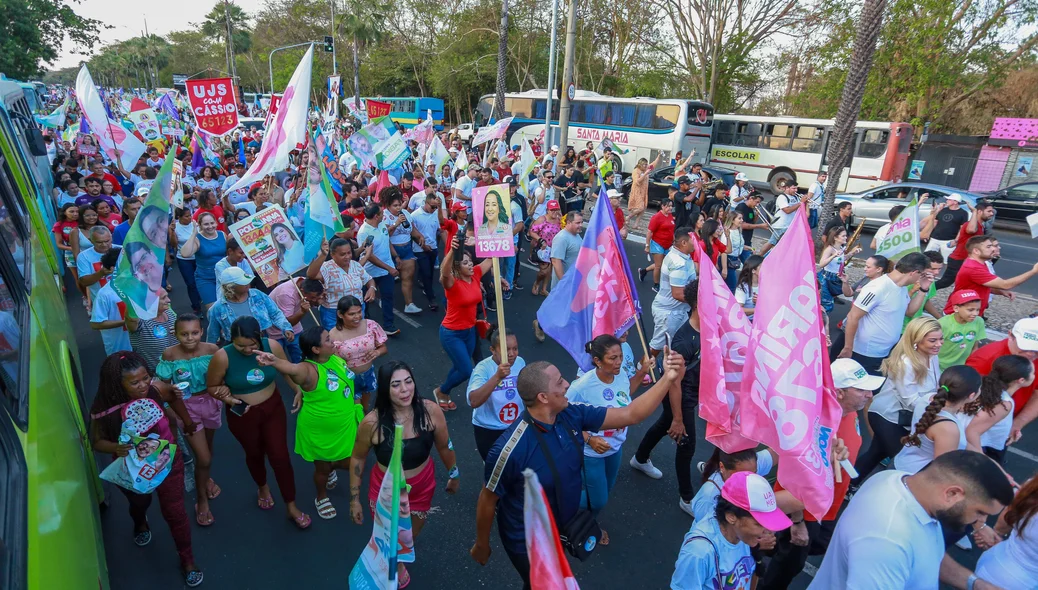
(567, 75)
(335, 67)
(270, 60)
(551, 72)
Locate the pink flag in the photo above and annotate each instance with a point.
(787, 390)
(724, 331)
(382, 182)
(549, 569)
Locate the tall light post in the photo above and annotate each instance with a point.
(551, 72)
(270, 60)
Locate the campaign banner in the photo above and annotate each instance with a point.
(145, 468)
(214, 104)
(145, 120)
(270, 244)
(493, 216)
(176, 190)
(335, 176)
(488, 132)
(121, 147)
(272, 109)
(85, 144)
(379, 144)
(334, 86)
(377, 108)
(903, 235)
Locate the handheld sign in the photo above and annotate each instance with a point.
(271, 244)
(214, 105)
(492, 215)
(903, 235)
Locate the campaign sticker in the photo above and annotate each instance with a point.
(607, 394)
(160, 332)
(255, 376)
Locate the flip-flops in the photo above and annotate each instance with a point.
(404, 580)
(325, 509)
(204, 518)
(302, 521)
(212, 491)
(265, 503)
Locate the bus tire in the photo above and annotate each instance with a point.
(781, 178)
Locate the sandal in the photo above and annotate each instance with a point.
(142, 538)
(204, 518)
(604, 539)
(333, 480)
(447, 406)
(193, 578)
(325, 509)
(212, 491)
(404, 580)
(266, 503)
(302, 521)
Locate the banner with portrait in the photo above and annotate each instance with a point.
(145, 468)
(492, 211)
(270, 244)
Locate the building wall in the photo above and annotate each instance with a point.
(990, 169)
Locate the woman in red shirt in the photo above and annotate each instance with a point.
(207, 202)
(460, 280)
(658, 241)
(710, 240)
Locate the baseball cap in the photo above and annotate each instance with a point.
(1026, 333)
(510, 180)
(515, 147)
(741, 176)
(963, 296)
(554, 148)
(453, 150)
(613, 193)
(458, 206)
(850, 373)
(554, 206)
(235, 276)
(955, 197)
(684, 179)
(752, 492)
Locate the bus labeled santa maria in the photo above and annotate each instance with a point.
(50, 529)
(642, 126)
(779, 150)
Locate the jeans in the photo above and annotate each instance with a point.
(426, 274)
(788, 559)
(459, 345)
(187, 270)
(508, 269)
(295, 354)
(812, 218)
(830, 285)
(385, 293)
(328, 318)
(885, 444)
(686, 448)
(599, 479)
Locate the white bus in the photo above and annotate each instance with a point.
(775, 151)
(643, 126)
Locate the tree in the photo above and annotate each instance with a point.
(32, 33)
(363, 24)
(839, 155)
(229, 22)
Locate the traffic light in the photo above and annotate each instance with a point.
(329, 43)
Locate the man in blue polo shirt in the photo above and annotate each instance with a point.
(543, 391)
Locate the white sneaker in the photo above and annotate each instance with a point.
(647, 468)
(412, 308)
(964, 544)
(686, 507)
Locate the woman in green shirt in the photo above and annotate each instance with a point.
(327, 425)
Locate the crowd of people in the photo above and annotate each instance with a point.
(940, 405)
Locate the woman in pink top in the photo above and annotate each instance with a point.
(359, 342)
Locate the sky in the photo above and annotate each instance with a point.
(127, 22)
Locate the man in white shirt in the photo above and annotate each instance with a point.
(786, 205)
(739, 191)
(108, 312)
(669, 309)
(463, 187)
(92, 275)
(815, 193)
(892, 534)
(242, 194)
(877, 317)
(426, 220)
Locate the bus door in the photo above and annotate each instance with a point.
(842, 187)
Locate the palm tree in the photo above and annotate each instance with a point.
(870, 22)
(229, 23)
(363, 23)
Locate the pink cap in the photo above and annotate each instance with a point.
(752, 492)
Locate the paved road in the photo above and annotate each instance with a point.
(250, 549)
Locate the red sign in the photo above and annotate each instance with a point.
(214, 105)
(275, 102)
(378, 109)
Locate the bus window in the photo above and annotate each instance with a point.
(12, 217)
(724, 133)
(748, 134)
(13, 308)
(539, 108)
(873, 143)
(778, 137)
(645, 115)
(576, 112)
(667, 116)
(622, 114)
(808, 139)
(700, 114)
(482, 114)
(596, 113)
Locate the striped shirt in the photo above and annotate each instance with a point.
(154, 336)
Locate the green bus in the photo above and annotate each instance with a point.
(50, 528)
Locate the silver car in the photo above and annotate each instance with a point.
(874, 204)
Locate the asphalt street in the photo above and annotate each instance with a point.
(248, 548)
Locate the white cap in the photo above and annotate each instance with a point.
(453, 150)
(613, 193)
(955, 197)
(554, 148)
(234, 275)
(1026, 333)
(849, 373)
(741, 176)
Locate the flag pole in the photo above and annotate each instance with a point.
(500, 310)
(298, 290)
(645, 346)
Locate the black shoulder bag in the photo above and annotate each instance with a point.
(581, 533)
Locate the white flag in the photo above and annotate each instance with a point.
(119, 145)
(527, 162)
(437, 154)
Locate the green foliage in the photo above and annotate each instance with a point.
(32, 32)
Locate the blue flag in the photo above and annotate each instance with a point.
(596, 295)
(241, 151)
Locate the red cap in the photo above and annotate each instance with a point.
(554, 206)
(458, 206)
(963, 296)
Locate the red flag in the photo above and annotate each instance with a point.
(789, 401)
(549, 569)
(725, 332)
(383, 182)
(377, 108)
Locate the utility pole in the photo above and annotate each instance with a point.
(356, 73)
(335, 67)
(567, 75)
(502, 61)
(230, 42)
(551, 72)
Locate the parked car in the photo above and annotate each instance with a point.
(1015, 202)
(660, 180)
(464, 132)
(874, 204)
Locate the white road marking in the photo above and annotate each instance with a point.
(529, 266)
(1023, 454)
(406, 318)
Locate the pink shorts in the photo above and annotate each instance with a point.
(205, 410)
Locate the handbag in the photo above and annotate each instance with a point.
(580, 534)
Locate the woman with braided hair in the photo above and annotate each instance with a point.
(940, 420)
(128, 393)
(991, 428)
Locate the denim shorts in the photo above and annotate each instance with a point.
(776, 235)
(404, 251)
(655, 248)
(366, 382)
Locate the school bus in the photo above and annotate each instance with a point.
(50, 526)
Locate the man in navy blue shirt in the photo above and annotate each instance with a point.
(543, 391)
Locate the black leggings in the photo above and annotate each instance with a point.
(686, 447)
(886, 442)
(485, 439)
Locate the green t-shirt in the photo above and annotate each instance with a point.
(959, 340)
(922, 308)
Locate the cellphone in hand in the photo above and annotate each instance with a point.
(368, 241)
(239, 408)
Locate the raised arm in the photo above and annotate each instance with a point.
(645, 404)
